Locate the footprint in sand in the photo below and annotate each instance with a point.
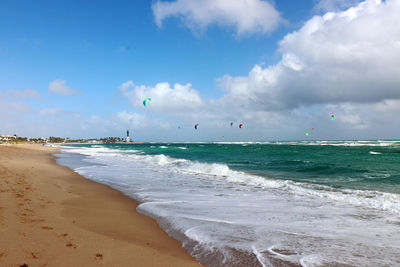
(99, 256)
(35, 255)
(29, 211)
(70, 245)
(47, 228)
(19, 195)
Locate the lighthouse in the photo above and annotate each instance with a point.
(128, 139)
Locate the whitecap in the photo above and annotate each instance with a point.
(374, 153)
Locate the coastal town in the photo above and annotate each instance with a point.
(15, 139)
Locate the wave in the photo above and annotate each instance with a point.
(374, 143)
(374, 153)
(222, 172)
(379, 143)
(227, 217)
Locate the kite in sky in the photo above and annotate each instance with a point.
(145, 100)
(195, 126)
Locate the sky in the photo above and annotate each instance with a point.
(81, 69)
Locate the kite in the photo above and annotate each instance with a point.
(313, 129)
(231, 123)
(195, 126)
(145, 100)
(240, 126)
(307, 133)
(332, 117)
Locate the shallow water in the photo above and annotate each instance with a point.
(267, 204)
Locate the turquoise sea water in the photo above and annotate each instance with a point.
(307, 203)
(365, 165)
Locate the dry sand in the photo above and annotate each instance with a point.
(51, 216)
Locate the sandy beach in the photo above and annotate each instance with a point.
(51, 216)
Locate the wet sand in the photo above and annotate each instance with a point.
(52, 216)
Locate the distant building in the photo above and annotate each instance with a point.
(128, 139)
(7, 137)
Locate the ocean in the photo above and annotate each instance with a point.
(309, 203)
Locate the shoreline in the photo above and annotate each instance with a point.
(50, 215)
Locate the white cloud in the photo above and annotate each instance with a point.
(59, 87)
(349, 116)
(10, 112)
(27, 93)
(246, 16)
(388, 106)
(164, 98)
(20, 107)
(349, 56)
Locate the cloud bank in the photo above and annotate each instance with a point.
(245, 16)
(343, 62)
(344, 57)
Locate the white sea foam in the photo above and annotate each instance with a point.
(376, 143)
(374, 153)
(370, 199)
(203, 168)
(259, 256)
(215, 208)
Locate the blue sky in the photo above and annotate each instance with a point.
(63, 65)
